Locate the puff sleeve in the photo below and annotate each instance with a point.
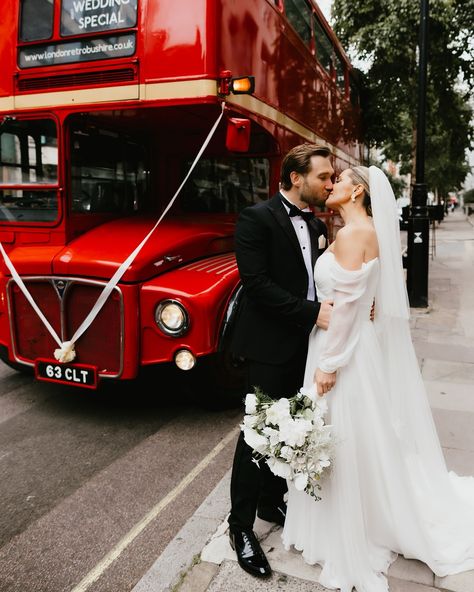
(344, 327)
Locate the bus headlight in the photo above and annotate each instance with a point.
(172, 318)
(184, 359)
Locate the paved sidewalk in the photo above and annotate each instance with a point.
(444, 341)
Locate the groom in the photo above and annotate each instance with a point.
(277, 244)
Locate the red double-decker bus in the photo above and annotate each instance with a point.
(105, 106)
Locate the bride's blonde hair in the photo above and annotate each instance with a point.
(360, 176)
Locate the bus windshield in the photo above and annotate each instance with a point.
(108, 173)
(28, 170)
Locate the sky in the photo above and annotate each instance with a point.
(325, 6)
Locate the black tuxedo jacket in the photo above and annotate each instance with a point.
(274, 317)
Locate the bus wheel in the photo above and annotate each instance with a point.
(221, 381)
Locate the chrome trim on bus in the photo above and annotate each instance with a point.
(56, 282)
(213, 264)
(164, 328)
(230, 313)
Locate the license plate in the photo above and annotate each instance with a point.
(73, 374)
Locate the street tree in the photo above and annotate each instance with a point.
(468, 196)
(384, 35)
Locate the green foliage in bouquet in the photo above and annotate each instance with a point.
(291, 436)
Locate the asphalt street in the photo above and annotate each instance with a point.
(94, 485)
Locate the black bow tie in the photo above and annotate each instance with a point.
(294, 211)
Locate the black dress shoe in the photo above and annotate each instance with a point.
(276, 515)
(249, 553)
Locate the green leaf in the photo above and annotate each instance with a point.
(386, 34)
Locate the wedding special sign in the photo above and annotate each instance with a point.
(79, 17)
(91, 16)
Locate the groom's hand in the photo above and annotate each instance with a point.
(324, 316)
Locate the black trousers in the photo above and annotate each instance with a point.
(251, 486)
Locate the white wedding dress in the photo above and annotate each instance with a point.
(388, 491)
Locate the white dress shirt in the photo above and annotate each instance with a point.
(302, 233)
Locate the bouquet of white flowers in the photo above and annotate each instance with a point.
(290, 434)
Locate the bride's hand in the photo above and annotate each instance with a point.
(324, 381)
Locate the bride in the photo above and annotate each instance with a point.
(389, 491)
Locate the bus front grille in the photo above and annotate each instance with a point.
(65, 302)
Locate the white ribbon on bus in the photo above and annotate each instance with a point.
(66, 352)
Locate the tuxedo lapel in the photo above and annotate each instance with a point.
(281, 215)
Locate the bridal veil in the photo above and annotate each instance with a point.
(449, 499)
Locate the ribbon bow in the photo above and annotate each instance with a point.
(66, 352)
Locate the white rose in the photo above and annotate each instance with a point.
(250, 403)
(287, 453)
(272, 435)
(320, 466)
(293, 432)
(279, 468)
(310, 393)
(278, 412)
(323, 463)
(300, 481)
(250, 421)
(255, 440)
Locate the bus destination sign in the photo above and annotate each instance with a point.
(92, 16)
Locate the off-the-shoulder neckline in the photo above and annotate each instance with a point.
(364, 263)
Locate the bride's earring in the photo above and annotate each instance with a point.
(353, 198)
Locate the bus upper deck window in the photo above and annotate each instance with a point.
(92, 16)
(324, 48)
(36, 20)
(299, 15)
(340, 72)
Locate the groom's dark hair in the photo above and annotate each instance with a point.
(298, 160)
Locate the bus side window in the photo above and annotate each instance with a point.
(299, 16)
(36, 19)
(340, 72)
(323, 44)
